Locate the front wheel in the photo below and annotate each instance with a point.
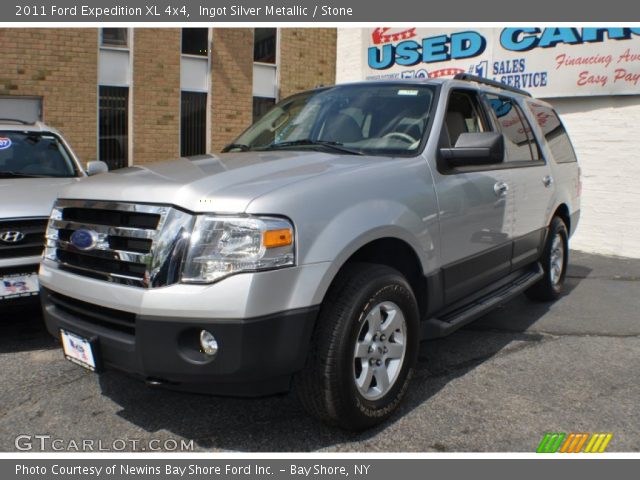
(364, 348)
(555, 258)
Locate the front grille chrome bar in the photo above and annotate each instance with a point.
(107, 253)
(133, 255)
(107, 205)
(108, 276)
(104, 229)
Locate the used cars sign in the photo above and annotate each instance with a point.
(550, 62)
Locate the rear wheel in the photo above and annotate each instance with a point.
(363, 350)
(555, 257)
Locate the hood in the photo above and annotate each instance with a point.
(30, 197)
(224, 183)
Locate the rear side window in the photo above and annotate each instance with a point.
(519, 142)
(554, 133)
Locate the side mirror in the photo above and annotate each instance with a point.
(482, 148)
(95, 167)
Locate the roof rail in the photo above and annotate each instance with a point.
(16, 120)
(486, 81)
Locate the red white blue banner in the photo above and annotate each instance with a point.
(548, 62)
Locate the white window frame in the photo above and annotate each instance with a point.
(129, 84)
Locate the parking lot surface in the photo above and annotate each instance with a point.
(497, 385)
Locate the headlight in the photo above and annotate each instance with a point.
(221, 246)
(51, 235)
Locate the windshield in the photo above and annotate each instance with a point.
(34, 154)
(361, 119)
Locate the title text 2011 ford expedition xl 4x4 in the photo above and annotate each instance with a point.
(346, 225)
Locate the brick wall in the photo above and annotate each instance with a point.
(61, 66)
(156, 94)
(604, 133)
(232, 84)
(307, 59)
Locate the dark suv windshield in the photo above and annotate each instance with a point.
(363, 119)
(34, 154)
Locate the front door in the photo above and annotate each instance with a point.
(476, 207)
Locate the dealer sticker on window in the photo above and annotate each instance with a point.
(17, 286)
(5, 142)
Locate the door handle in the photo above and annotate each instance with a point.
(547, 181)
(501, 189)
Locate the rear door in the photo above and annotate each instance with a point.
(560, 155)
(532, 184)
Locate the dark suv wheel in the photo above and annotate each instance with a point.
(363, 350)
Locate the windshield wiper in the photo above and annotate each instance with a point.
(236, 146)
(19, 175)
(337, 146)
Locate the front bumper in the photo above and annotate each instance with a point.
(246, 295)
(256, 356)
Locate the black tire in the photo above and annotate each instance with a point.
(326, 386)
(547, 289)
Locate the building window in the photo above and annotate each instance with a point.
(113, 141)
(262, 105)
(193, 123)
(265, 71)
(114, 37)
(195, 41)
(264, 45)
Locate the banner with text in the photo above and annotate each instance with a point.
(548, 62)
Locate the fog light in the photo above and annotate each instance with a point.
(208, 343)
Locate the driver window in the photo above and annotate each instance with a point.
(464, 115)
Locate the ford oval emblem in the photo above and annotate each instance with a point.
(84, 239)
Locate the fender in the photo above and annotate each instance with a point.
(344, 210)
(366, 224)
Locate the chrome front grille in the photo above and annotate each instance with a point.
(132, 244)
(22, 237)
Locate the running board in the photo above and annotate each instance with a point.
(448, 322)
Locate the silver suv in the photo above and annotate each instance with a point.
(345, 226)
(35, 162)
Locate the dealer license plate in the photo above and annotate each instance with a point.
(17, 286)
(78, 350)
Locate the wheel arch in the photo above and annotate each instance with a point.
(392, 251)
(562, 211)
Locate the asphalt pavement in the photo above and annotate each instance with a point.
(498, 385)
